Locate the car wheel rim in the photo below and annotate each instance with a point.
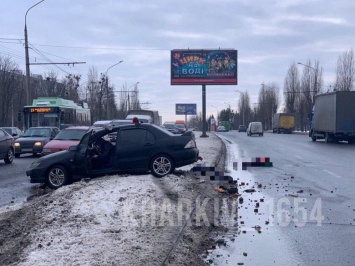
(10, 156)
(56, 177)
(162, 166)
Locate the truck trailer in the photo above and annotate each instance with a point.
(283, 122)
(333, 117)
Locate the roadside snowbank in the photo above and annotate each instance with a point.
(118, 220)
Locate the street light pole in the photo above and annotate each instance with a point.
(217, 114)
(229, 114)
(242, 103)
(27, 58)
(129, 103)
(315, 78)
(106, 85)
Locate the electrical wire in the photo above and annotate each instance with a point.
(12, 39)
(47, 59)
(105, 48)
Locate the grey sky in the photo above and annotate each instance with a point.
(269, 37)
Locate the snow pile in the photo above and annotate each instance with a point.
(108, 220)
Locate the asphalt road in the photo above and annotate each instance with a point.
(304, 204)
(15, 186)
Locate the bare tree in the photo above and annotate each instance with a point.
(71, 83)
(311, 85)
(11, 91)
(92, 93)
(292, 89)
(244, 108)
(51, 87)
(134, 98)
(195, 121)
(268, 102)
(345, 72)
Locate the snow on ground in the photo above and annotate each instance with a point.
(107, 221)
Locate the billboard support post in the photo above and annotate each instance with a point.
(204, 135)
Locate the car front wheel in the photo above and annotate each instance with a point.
(9, 156)
(161, 165)
(57, 176)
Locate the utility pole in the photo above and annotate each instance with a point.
(243, 103)
(315, 79)
(106, 87)
(27, 58)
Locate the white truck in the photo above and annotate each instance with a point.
(333, 117)
(145, 116)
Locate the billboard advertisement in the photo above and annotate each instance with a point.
(186, 108)
(203, 67)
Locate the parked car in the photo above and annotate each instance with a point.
(139, 148)
(181, 128)
(221, 129)
(34, 140)
(171, 128)
(6, 147)
(255, 128)
(101, 123)
(118, 122)
(15, 132)
(242, 128)
(64, 139)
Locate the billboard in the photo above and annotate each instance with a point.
(203, 67)
(185, 108)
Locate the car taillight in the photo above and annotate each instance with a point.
(190, 144)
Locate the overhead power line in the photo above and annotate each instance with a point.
(62, 63)
(11, 39)
(105, 48)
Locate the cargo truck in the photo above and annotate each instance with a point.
(333, 117)
(283, 122)
(145, 116)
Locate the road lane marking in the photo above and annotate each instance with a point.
(331, 173)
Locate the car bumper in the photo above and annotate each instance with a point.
(36, 175)
(187, 157)
(33, 150)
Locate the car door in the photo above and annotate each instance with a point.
(82, 160)
(134, 148)
(3, 143)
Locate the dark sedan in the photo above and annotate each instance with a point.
(6, 147)
(242, 128)
(181, 128)
(34, 140)
(171, 128)
(15, 132)
(139, 148)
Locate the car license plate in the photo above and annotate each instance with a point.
(26, 150)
